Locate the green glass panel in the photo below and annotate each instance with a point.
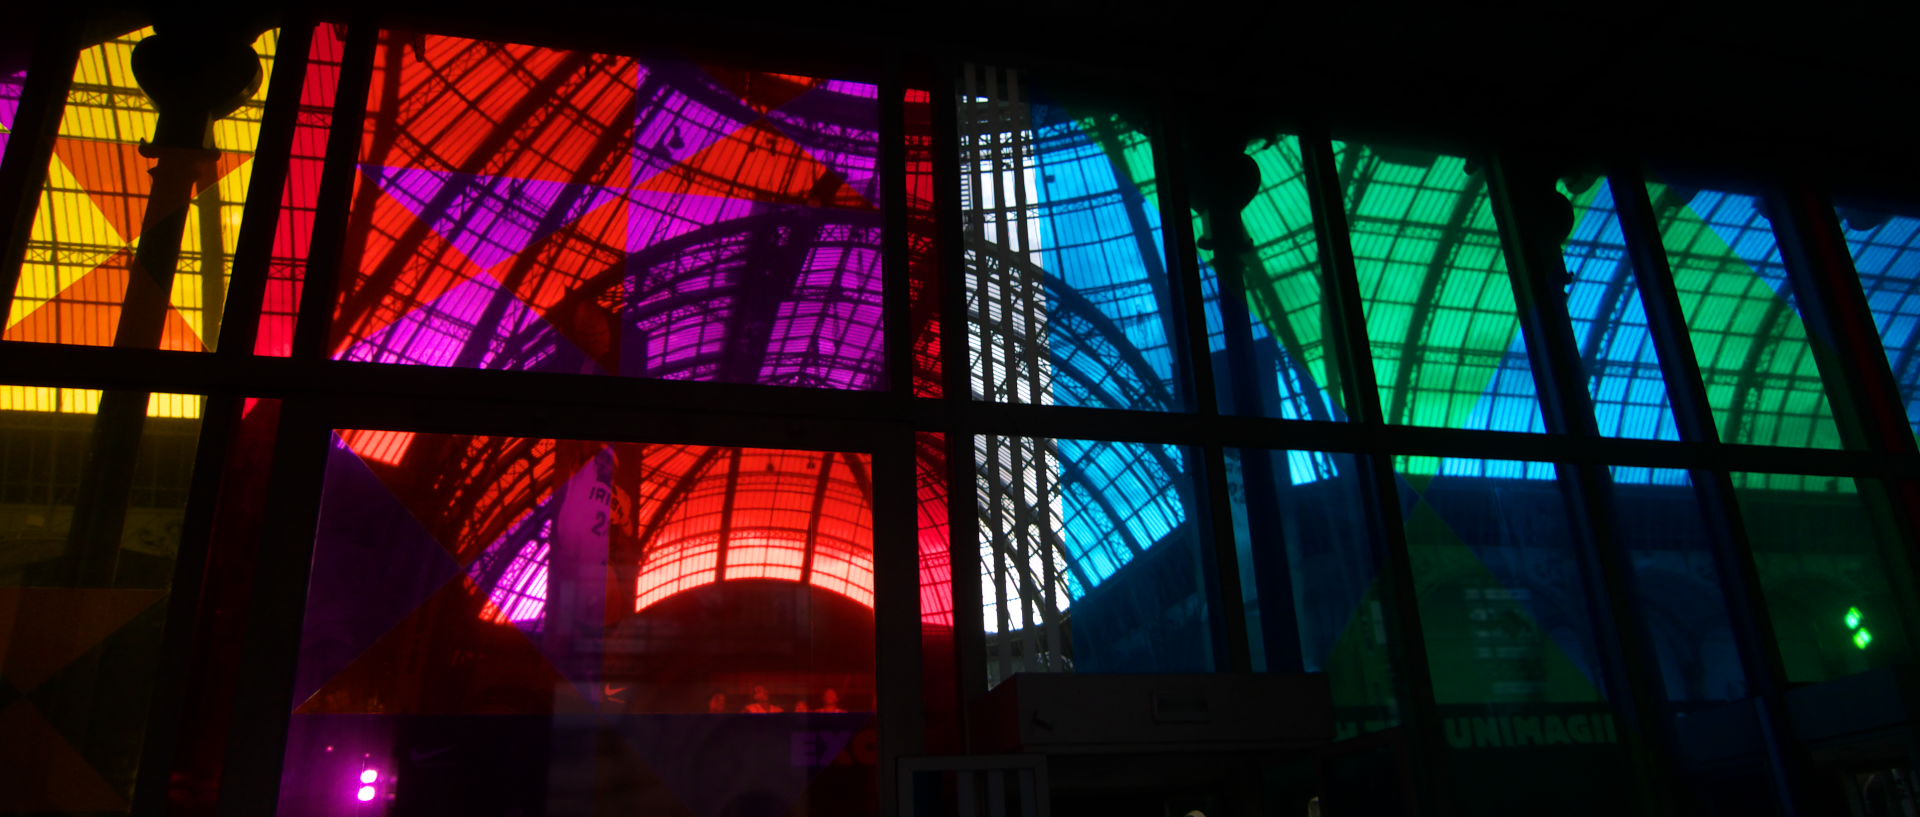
(1760, 375)
(1439, 307)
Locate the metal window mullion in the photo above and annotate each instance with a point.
(1407, 646)
(1748, 616)
(37, 117)
(1535, 269)
(320, 282)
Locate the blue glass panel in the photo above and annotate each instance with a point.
(1610, 324)
(1886, 251)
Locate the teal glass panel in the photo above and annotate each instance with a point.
(1610, 322)
(1090, 558)
(1310, 577)
(1760, 375)
(1440, 315)
(1886, 252)
(1271, 242)
(1068, 298)
(1816, 545)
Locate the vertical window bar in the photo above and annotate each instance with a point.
(1347, 340)
(896, 279)
(1232, 652)
(29, 149)
(1693, 414)
(320, 291)
(1524, 204)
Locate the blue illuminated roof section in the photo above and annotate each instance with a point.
(1886, 252)
(1610, 324)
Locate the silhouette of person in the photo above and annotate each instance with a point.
(760, 703)
(830, 701)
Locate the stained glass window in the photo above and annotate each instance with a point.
(80, 254)
(1274, 248)
(1446, 340)
(1886, 252)
(1760, 374)
(1069, 301)
(293, 236)
(541, 210)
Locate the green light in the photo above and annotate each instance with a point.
(1853, 618)
(1862, 638)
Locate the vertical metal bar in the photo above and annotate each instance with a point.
(320, 289)
(1523, 196)
(56, 52)
(1413, 686)
(1752, 624)
(949, 161)
(1211, 499)
(253, 250)
(896, 604)
(250, 777)
(897, 278)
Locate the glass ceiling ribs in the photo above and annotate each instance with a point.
(1886, 252)
(1445, 337)
(534, 209)
(79, 261)
(1759, 371)
(1068, 297)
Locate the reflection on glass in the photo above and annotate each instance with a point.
(1886, 252)
(1090, 558)
(1610, 323)
(1446, 340)
(1816, 547)
(1503, 608)
(1677, 586)
(1271, 244)
(589, 626)
(1760, 374)
(83, 601)
(1311, 579)
(93, 205)
(540, 210)
(1068, 300)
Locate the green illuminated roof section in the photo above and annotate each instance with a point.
(1284, 301)
(1440, 315)
(1759, 371)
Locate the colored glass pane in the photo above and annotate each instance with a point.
(1515, 667)
(1089, 558)
(702, 604)
(1816, 545)
(86, 565)
(1310, 578)
(1760, 374)
(293, 237)
(1068, 298)
(1446, 341)
(541, 210)
(13, 79)
(1273, 247)
(1886, 252)
(1677, 587)
(1610, 323)
(80, 254)
(923, 252)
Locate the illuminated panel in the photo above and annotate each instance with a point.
(1087, 557)
(1760, 374)
(936, 561)
(923, 256)
(1446, 340)
(1284, 303)
(12, 81)
(80, 251)
(1610, 323)
(1069, 301)
(294, 234)
(533, 209)
(1886, 252)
